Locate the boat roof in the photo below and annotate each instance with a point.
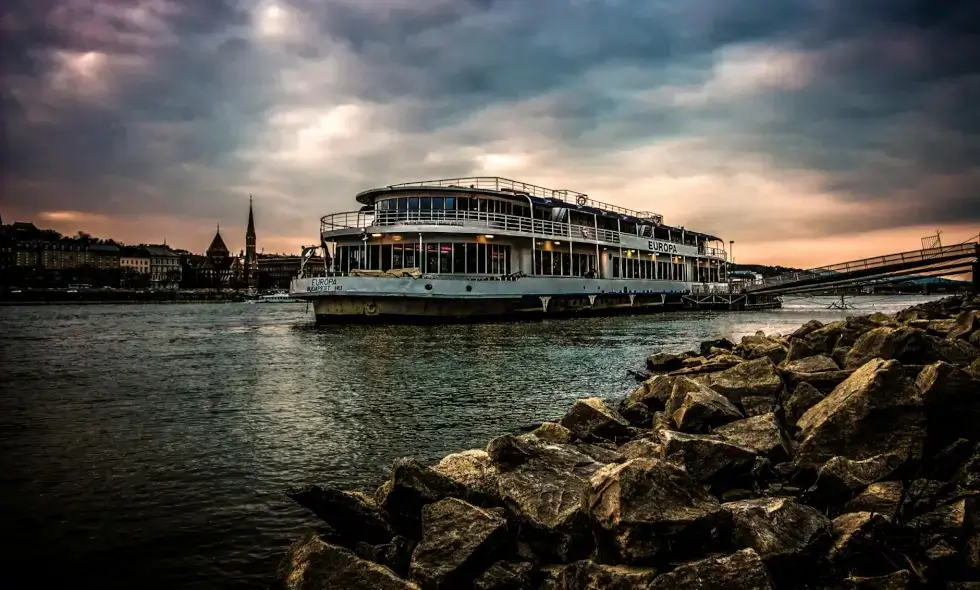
(538, 195)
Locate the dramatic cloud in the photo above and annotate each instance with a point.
(807, 131)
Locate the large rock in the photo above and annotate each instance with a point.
(352, 516)
(707, 459)
(545, 487)
(900, 580)
(806, 329)
(824, 381)
(472, 470)
(505, 575)
(840, 478)
(459, 541)
(410, 487)
(952, 399)
(826, 338)
(589, 575)
(552, 432)
(786, 534)
(880, 498)
(591, 419)
(722, 343)
(855, 536)
(967, 322)
(694, 407)
(312, 564)
(763, 349)
(756, 377)
(636, 413)
(665, 361)
(909, 346)
(654, 393)
(804, 397)
(714, 364)
(743, 570)
(762, 434)
(648, 510)
(875, 411)
(812, 364)
(641, 448)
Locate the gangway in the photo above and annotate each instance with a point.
(946, 259)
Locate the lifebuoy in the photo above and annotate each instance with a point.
(370, 308)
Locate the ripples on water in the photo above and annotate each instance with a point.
(149, 446)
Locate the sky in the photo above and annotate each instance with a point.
(809, 132)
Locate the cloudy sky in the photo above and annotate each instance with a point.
(809, 131)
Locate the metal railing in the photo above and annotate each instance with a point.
(506, 185)
(835, 270)
(487, 222)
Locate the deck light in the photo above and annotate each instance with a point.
(488, 236)
(375, 235)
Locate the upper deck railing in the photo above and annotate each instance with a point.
(495, 183)
(487, 222)
(829, 273)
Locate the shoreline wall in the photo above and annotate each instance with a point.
(844, 455)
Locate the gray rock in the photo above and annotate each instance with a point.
(665, 361)
(410, 487)
(312, 564)
(713, 364)
(591, 419)
(654, 392)
(723, 343)
(853, 536)
(942, 384)
(840, 355)
(848, 422)
(900, 580)
(824, 382)
(506, 575)
(812, 364)
(589, 575)
(636, 413)
(804, 397)
(910, 346)
(552, 432)
(459, 541)
(753, 378)
(599, 452)
(798, 349)
(785, 533)
(965, 324)
(880, 498)
(649, 509)
(641, 448)
(840, 478)
(707, 459)
(762, 434)
(759, 347)
(757, 405)
(694, 407)
(353, 516)
(806, 329)
(545, 487)
(825, 338)
(974, 368)
(743, 570)
(473, 471)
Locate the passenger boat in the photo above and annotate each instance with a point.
(493, 248)
(275, 298)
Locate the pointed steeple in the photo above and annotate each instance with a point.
(250, 230)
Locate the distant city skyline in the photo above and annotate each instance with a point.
(808, 133)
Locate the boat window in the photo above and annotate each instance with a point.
(385, 257)
(445, 258)
(450, 203)
(403, 204)
(413, 203)
(411, 255)
(396, 256)
(425, 203)
(437, 203)
(459, 259)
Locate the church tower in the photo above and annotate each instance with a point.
(251, 259)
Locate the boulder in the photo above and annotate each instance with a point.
(812, 364)
(694, 407)
(910, 346)
(806, 329)
(545, 487)
(601, 453)
(641, 448)
(900, 580)
(757, 405)
(589, 575)
(884, 343)
(743, 570)
(552, 432)
(824, 382)
(798, 349)
(786, 534)
(966, 323)
(459, 541)
(840, 355)
(854, 537)
(875, 411)
(474, 472)
(353, 516)
(506, 575)
(756, 377)
(804, 397)
(410, 487)
(665, 361)
(723, 343)
(825, 338)
(840, 478)
(974, 368)
(762, 434)
(648, 510)
(312, 564)
(952, 399)
(394, 555)
(755, 347)
(879, 498)
(707, 459)
(711, 365)
(591, 419)
(636, 413)
(654, 392)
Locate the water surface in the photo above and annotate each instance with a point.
(149, 446)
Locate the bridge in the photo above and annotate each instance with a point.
(878, 270)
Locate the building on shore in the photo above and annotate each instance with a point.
(251, 260)
(134, 266)
(165, 269)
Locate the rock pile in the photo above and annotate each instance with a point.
(844, 455)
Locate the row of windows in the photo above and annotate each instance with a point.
(635, 268)
(709, 274)
(432, 258)
(404, 204)
(564, 264)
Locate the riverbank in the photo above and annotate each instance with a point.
(842, 455)
(114, 297)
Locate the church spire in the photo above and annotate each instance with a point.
(250, 231)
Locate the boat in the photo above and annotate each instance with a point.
(275, 298)
(490, 248)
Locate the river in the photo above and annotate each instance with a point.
(150, 445)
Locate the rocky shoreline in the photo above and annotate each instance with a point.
(844, 455)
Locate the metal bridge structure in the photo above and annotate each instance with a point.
(878, 270)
